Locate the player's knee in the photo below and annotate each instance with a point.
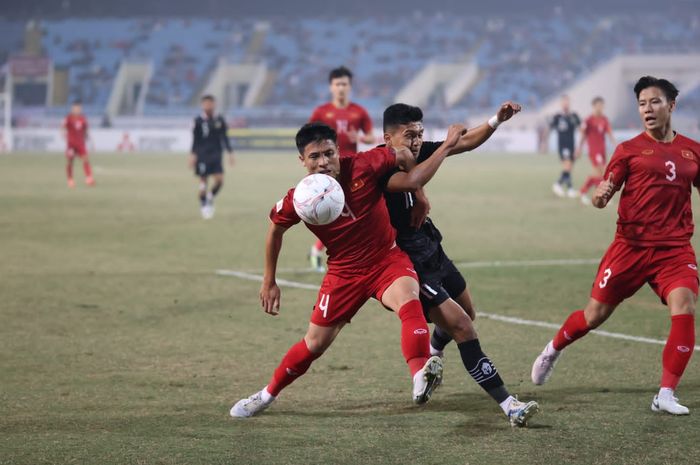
(596, 313)
(462, 329)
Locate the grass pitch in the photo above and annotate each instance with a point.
(120, 345)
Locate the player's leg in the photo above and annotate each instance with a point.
(596, 177)
(294, 364)
(315, 256)
(563, 184)
(401, 297)
(202, 186)
(454, 320)
(70, 156)
(456, 287)
(216, 186)
(87, 169)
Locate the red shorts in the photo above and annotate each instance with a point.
(343, 292)
(625, 268)
(76, 149)
(597, 157)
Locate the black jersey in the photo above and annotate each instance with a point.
(420, 244)
(210, 138)
(565, 124)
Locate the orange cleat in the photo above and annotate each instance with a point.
(71, 183)
(90, 181)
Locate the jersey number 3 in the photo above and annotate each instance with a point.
(671, 176)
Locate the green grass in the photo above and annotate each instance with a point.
(119, 344)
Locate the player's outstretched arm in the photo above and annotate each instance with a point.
(477, 136)
(270, 293)
(414, 177)
(579, 150)
(604, 192)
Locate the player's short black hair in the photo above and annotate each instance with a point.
(314, 132)
(77, 102)
(597, 99)
(669, 90)
(400, 113)
(208, 97)
(339, 72)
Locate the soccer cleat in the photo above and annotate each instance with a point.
(586, 200)
(544, 364)
(668, 405)
(426, 380)
(572, 193)
(207, 212)
(558, 190)
(520, 412)
(90, 181)
(71, 183)
(253, 405)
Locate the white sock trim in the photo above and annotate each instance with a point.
(505, 405)
(266, 396)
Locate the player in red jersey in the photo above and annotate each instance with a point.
(75, 132)
(363, 262)
(658, 168)
(350, 121)
(593, 133)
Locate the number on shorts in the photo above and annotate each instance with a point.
(323, 304)
(606, 275)
(671, 170)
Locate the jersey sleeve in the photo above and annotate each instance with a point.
(379, 160)
(427, 150)
(553, 121)
(224, 135)
(283, 213)
(618, 166)
(196, 135)
(316, 115)
(577, 120)
(366, 122)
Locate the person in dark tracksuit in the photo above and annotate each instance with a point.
(565, 123)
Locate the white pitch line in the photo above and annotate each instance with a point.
(490, 316)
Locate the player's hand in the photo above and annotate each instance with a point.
(507, 111)
(352, 135)
(420, 210)
(231, 159)
(270, 295)
(577, 154)
(604, 192)
(191, 160)
(454, 133)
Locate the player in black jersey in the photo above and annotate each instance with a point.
(443, 291)
(565, 123)
(209, 139)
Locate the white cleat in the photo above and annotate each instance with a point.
(558, 190)
(572, 193)
(544, 364)
(586, 200)
(253, 405)
(426, 380)
(520, 412)
(668, 405)
(207, 212)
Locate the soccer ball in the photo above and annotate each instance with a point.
(319, 199)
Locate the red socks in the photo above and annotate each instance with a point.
(679, 348)
(591, 181)
(575, 327)
(296, 361)
(69, 169)
(415, 337)
(318, 245)
(87, 169)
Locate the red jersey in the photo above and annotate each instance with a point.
(363, 234)
(352, 118)
(76, 128)
(594, 131)
(655, 208)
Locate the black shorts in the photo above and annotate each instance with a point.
(207, 168)
(439, 280)
(566, 153)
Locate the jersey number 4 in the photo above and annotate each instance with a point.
(323, 304)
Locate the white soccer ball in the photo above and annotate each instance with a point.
(319, 199)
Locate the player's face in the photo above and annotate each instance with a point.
(565, 104)
(321, 157)
(406, 135)
(340, 88)
(598, 108)
(654, 108)
(208, 106)
(76, 110)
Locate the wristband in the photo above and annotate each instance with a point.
(493, 122)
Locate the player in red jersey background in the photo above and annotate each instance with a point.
(593, 133)
(351, 123)
(75, 132)
(364, 260)
(658, 169)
